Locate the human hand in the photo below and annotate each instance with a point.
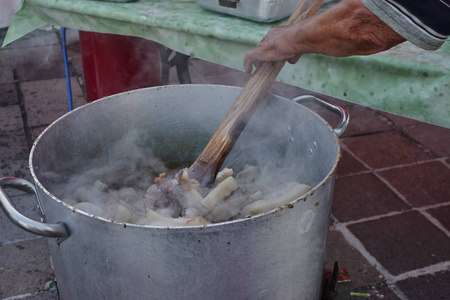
(275, 46)
(346, 29)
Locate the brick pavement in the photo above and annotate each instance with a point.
(390, 227)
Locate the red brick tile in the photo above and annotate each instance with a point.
(364, 120)
(385, 149)
(13, 145)
(403, 242)
(360, 270)
(349, 165)
(5, 56)
(421, 184)
(25, 267)
(38, 63)
(6, 74)
(9, 94)
(434, 286)
(442, 214)
(362, 196)
(434, 138)
(11, 119)
(399, 120)
(46, 100)
(364, 277)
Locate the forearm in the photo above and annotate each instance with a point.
(348, 28)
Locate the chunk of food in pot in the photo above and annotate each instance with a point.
(155, 219)
(220, 192)
(182, 201)
(289, 193)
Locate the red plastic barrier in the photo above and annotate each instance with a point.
(116, 63)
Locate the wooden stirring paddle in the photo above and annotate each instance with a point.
(205, 168)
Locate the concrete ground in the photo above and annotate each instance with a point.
(390, 226)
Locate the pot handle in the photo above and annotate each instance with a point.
(333, 107)
(57, 230)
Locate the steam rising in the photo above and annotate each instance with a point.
(120, 186)
(264, 171)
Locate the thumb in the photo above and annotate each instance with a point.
(294, 60)
(248, 62)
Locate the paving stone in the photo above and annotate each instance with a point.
(46, 100)
(361, 196)
(349, 165)
(385, 149)
(442, 214)
(364, 277)
(6, 74)
(10, 118)
(434, 138)
(13, 145)
(5, 59)
(24, 267)
(364, 120)
(377, 291)
(435, 286)
(25, 204)
(15, 168)
(46, 295)
(421, 184)
(360, 270)
(39, 63)
(77, 65)
(38, 37)
(403, 242)
(8, 94)
(37, 131)
(399, 120)
(72, 36)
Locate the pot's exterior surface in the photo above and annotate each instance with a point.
(277, 255)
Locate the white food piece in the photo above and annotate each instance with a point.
(220, 192)
(224, 174)
(127, 193)
(136, 216)
(139, 204)
(193, 199)
(256, 196)
(186, 183)
(248, 174)
(103, 187)
(119, 213)
(70, 201)
(155, 219)
(189, 195)
(227, 209)
(291, 192)
(231, 207)
(89, 208)
(191, 213)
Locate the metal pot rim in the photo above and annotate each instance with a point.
(273, 211)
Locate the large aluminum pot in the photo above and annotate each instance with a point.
(276, 255)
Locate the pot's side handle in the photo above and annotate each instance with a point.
(342, 112)
(57, 230)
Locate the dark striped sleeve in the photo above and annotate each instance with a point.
(426, 24)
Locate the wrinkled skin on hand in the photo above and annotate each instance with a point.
(346, 29)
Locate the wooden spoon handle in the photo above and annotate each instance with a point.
(205, 168)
